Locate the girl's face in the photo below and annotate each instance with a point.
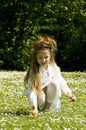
(43, 58)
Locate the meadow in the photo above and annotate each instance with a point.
(15, 110)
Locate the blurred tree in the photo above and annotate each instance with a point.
(22, 20)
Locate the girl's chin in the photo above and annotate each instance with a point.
(44, 66)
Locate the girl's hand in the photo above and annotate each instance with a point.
(72, 98)
(34, 112)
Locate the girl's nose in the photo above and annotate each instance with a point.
(44, 60)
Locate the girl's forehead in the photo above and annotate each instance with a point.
(43, 52)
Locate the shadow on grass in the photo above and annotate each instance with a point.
(15, 113)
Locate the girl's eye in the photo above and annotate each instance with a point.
(40, 57)
(46, 57)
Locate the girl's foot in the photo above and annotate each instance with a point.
(47, 106)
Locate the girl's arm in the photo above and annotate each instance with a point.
(33, 102)
(63, 84)
(65, 88)
(32, 96)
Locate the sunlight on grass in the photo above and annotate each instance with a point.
(14, 108)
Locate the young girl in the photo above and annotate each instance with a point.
(43, 80)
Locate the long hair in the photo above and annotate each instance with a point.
(40, 43)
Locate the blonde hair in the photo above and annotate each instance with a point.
(40, 43)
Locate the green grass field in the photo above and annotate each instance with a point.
(14, 108)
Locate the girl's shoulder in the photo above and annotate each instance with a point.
(55, 67)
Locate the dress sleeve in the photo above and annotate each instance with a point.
(29, 83)
(30, 80)
(30, 93)
(62, 82)
(64, 87)
(28, 88)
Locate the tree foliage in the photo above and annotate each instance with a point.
(22, 20)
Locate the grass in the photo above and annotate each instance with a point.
(14, 108)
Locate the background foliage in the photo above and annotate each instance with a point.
(22, 20)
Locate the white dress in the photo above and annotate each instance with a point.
(53, 80)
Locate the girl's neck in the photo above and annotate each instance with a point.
(44, 67)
